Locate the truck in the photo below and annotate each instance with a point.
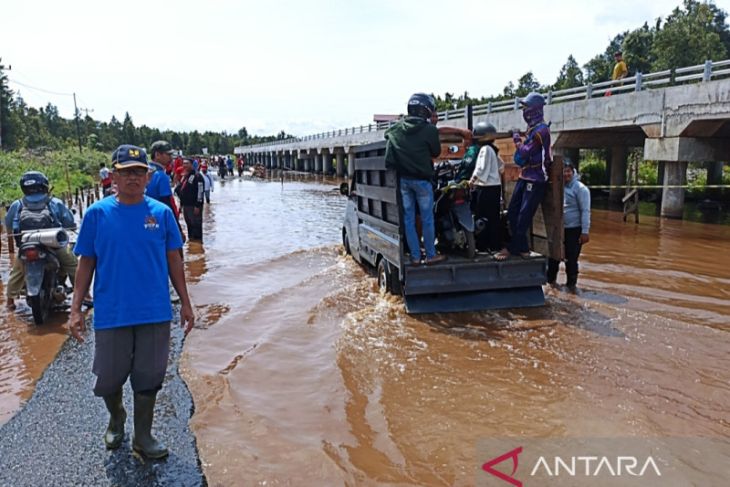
(373, 234)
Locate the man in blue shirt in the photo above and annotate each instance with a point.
(577, 224)
(130, 244)
(159, 186)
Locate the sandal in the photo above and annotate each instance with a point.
(502, 255)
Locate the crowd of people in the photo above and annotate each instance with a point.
(412, 144)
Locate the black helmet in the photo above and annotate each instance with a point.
(421, 105)
(33, 182)
(483, 129)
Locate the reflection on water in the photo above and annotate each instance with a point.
(302, 373)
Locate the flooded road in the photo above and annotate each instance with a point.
(25, 350)
(302, 374)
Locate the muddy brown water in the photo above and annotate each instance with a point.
(302, 374)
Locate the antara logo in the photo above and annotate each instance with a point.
(514, 455)
(574, 466)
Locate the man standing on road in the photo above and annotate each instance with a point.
(105, 177)
(159, 186)
(190, 191)
(412, 142)
(620, 70)
(130, 244)
(577, 224)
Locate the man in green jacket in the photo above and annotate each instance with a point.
(412, 142)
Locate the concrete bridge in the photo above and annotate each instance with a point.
(677, 116)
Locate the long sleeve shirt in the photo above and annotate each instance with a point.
(577, 206)
(488, 168)
(191, 190)
(534, 155)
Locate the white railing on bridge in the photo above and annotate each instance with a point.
(700, 73)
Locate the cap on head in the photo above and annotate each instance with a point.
(127, 156)
(160, 146)
(568, 164)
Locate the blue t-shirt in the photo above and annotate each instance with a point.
(159, 186)
(130, 244)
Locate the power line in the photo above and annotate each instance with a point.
(39, 89)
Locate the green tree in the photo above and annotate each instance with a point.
(527, 84)
(129, 133)
(570, 75)
(6, 98)
(690, 36)
(637, 49)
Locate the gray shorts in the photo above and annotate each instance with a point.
(139, 352)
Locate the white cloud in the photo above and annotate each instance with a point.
(299, 66)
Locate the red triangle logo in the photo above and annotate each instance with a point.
(487, 467)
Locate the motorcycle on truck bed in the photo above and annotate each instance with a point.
(373, 234)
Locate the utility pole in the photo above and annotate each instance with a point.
(78, 129)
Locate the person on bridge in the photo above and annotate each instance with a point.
(620, 70)
(411, 144)
(130, 245)
(191, 191)
(534, 158)
(486, 183)
(577, 224)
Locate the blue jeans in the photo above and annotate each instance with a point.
(419, 191)
(526, 197)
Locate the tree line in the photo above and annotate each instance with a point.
(692, 33)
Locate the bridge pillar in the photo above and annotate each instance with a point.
(675, 174)
(317, 163)
(326, 162)
(350, 165)
(714, 177)
(619, 159)
(340, 165)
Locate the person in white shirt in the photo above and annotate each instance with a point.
(486, 184)
(207, 181)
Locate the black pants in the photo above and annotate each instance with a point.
(485, 203)
(194, 222)
(572, 252)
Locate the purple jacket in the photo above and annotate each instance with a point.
(534, 156)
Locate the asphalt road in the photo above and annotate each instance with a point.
(56, 439)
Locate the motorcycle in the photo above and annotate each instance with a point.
(454, 220)
(43, 287)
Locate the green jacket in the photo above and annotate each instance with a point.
(412, 142)
(468, 163)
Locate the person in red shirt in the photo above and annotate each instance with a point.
(177, 170)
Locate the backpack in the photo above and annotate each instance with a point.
(34, 216)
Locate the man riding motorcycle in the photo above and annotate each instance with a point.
(36, 210)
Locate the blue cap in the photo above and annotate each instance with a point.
(129, 156)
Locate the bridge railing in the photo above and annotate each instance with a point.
(639, 82)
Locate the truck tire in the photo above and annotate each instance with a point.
(346, 242)
(471, 246)
(383, 276)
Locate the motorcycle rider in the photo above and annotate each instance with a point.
(411, 144)
(486, 183)
(36, 210)
(534, 157)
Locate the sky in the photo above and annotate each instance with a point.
(299, 66)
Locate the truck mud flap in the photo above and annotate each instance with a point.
(475, 301)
